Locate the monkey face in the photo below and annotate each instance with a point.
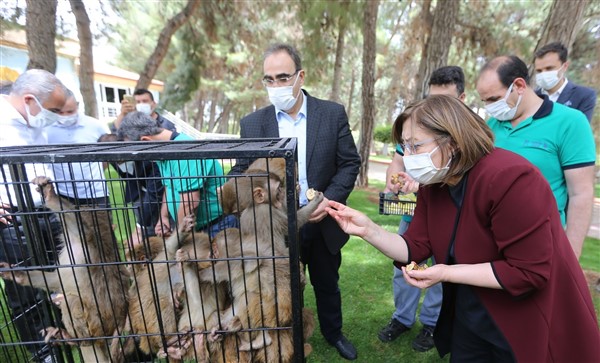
(277, 194)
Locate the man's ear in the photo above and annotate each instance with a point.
(462, 97)
(520, 85)
(259, 195)
(146, 138)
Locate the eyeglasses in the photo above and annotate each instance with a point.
(414, 148)
(280, 79)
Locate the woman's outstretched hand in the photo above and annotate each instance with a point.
(350, 220)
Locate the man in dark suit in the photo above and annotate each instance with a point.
(327, 161)
(551, 67)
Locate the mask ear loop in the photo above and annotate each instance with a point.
(440, 144)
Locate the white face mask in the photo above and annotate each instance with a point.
(127, 167)
(68, 120)
(501, 110)
(420, 167)
(283, 97)
(144, 108)
(44, 118)
(547, 80)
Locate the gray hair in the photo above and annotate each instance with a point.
(69, 94)
(37, 82)
(137, 124)
(289, 49)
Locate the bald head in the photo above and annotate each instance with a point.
(508, 68)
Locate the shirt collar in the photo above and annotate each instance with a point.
(558, 91)
(545, 109)
(13, 114)
(301, 113)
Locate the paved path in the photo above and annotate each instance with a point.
(377, 172)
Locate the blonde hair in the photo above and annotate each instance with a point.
(463, 135)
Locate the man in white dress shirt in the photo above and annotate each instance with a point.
(34, 103)
(81, 183)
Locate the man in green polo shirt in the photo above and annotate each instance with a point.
(555, 138)
(188, 185)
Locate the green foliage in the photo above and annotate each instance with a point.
(383, 134)
(185, 78)
(217, 58)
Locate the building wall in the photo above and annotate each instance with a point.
(17, 59)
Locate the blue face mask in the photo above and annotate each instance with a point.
(500, 109)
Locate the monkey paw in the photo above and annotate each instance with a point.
(178, 346)
(214, 336)
(188, 223)
(43, 184)
(178, 299)
(52, 333)
(182, 255)
(318, 198)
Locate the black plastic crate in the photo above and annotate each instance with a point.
(391, 204)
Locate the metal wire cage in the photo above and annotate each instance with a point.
(86, 278)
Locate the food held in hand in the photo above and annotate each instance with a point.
(397, 179)
(414, 266)
(311, 194)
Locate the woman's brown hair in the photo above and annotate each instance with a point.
(468, 136)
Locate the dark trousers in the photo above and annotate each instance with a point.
(31, 311)
(470, 347)
(324, 276)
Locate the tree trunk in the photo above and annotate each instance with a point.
(40, 28)
(199, 118)
(162, 45)
(437, 44)
(216, 98)
(351, 93)
(563, 22)
(223, 119)
(86, 58)
(368, 89)
(339, 55)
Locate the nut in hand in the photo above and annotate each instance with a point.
(311, 194)
(396, 179)
(414, 266)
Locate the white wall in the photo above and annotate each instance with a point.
(17, 59)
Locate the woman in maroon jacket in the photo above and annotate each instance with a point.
(513, 288)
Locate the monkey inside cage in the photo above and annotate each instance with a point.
(144, 251)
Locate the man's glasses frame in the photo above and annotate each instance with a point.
(280, 79)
